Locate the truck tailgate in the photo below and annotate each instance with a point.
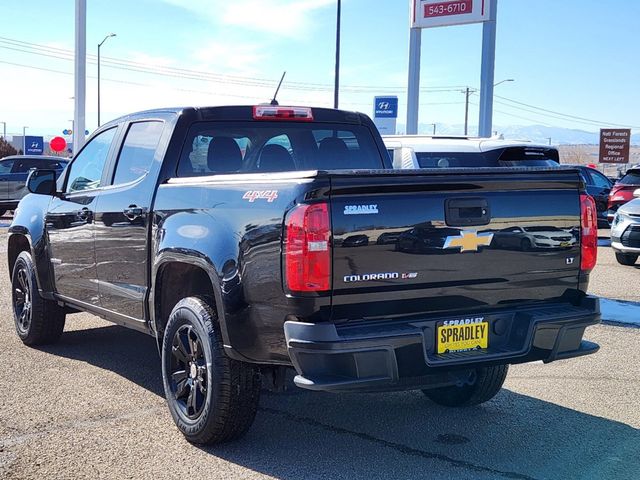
(431, 241)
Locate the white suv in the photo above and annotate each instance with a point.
(422, 151)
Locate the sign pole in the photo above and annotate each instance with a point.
(487, 72)
(80, 75)
(413, 88)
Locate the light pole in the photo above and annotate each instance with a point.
(24, 140)
(336, 87)
(505, 80)
(468, 91)
(100, 45)
(4, 130)
(434, 127)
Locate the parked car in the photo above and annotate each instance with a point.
(13, 176)
(425, 151)
(526, 238)
(622, 190)
(599, 187)
(625, 231)
(235, 237)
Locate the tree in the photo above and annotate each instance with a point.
(6, 148)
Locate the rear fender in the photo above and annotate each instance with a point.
(197, 239)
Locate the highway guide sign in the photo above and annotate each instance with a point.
(439, 13)
(614, 145)
(385, 113)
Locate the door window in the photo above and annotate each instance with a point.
(600, 180)
(25, 164)
(138, 151)
(5, 166)
(86, 170)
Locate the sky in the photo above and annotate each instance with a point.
(575, 58)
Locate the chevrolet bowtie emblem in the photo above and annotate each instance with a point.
(469, 241)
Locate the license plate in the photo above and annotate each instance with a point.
(469, 336)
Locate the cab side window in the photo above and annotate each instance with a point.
(138, 151)
(85, 172)
(6, 166)
(600, 180)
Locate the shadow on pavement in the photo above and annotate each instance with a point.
(300, 434)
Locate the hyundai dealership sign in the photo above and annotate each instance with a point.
(385, 113)
(33, 145)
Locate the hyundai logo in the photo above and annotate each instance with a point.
(384, 105)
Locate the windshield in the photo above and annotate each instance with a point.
(244, 147)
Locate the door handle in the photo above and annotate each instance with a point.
(467, 212)
(133, 211)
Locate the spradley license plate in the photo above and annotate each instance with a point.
(465, 336)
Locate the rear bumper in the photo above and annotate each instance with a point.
(401, 355)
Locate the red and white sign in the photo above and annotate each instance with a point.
(439, 13)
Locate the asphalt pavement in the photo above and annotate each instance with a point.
(92, 406)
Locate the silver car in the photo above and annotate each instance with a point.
(13, 176)
(625, 231)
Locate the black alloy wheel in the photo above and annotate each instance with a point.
(38, 320)
(22, 299)
(188, 370)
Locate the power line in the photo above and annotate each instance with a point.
(599, 122)
(63, 54)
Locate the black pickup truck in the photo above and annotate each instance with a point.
(250, 240)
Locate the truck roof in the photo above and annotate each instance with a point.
(241, 112)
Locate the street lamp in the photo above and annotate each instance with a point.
(24, 140)
(469, 91)
(99, 45)
(502, 81)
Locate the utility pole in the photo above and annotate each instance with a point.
(466, 110)
(4, 130)
(99, 45)
(434, 127)
(80, 74)
(549, 138)
(336, 87)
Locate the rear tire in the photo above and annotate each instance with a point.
(212, 398)
(488, 383)
(38, 321)
(626, 258)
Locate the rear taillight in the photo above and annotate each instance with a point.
(307, 248)
(589, 237)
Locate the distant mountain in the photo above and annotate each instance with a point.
(535, 133)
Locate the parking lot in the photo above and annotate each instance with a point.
(92, 406)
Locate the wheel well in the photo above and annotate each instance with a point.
(17, 245)
(175, 281)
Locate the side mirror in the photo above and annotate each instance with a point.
(636, 193)
(42, 182)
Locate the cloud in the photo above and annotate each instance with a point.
(285, 18)
(229, 59)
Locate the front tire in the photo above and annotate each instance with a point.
(628, 259)
(488, 383)
(212, 398)
(38, 321)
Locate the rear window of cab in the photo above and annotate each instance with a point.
(252, 147)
